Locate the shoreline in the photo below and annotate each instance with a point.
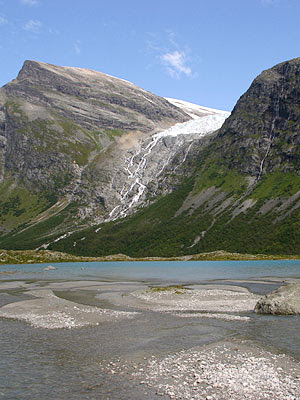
(8, 257)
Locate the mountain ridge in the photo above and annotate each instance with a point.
(235, 187)
(69, 137)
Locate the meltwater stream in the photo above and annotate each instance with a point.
(37, 363)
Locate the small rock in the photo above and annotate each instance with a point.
(50, 268)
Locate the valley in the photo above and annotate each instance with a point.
(93, 166)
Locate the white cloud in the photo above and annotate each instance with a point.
(176, 63)
(170, 54)
(29, 2)
(33, 26)
(53, 31)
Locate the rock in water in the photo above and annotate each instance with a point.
(50, 268)
(284, 301)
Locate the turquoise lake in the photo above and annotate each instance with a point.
(165, 271)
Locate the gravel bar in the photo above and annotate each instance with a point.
(236, 370)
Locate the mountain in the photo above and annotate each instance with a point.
(78, 147)
(237, 190)
(93, 165)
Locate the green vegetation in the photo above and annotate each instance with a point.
(220, 177)
(277, 184)
(156, 232)
(77, 150)
(13, 107)
(178, 289)
(32, 236)
(137, 235)
(46, 256)
(190, 222)
(114, 132)
(18, 205)
(37, 256)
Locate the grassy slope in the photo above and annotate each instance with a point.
(18, 205)
(31, 237)
(155, 231)
(8, 257)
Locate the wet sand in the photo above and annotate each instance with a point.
(226, 366)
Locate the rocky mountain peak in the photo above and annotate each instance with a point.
(88, 93)
(262, 133)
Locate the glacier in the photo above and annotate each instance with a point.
(148, 162)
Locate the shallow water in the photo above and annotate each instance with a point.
(74, 363)
(168, 271)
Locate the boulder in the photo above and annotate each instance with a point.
(283, 301)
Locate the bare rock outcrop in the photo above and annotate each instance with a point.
(283, 301)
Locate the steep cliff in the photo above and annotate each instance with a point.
(262, 134)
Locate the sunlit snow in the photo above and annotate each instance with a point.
(200, 125)
(194, 110)
(204, 121)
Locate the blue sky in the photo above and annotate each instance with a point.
(206, 52)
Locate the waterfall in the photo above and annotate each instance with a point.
(272, 133)
(148, 162)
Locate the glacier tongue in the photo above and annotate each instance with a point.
(198, 125)
(147, 163)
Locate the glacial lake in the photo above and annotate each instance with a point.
(160, 271)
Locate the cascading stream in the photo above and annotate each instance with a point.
(272, 134)
(154, 155)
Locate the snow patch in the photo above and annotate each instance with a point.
(194, 110)
(200, 125)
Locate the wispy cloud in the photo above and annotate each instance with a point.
(3, 20)
(268, 2)
(77, 48)
(53, 31)
(33, 26)
(29, 2)
(176, 63)
(174, 57)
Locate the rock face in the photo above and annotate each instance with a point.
(263, 128)
(55, 121)
(63, 129)
(91, 99)
(283, 301)
(88, 145)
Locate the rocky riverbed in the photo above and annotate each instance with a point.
(141, 340)
(224, 371)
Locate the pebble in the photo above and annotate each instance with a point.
(222, 373)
